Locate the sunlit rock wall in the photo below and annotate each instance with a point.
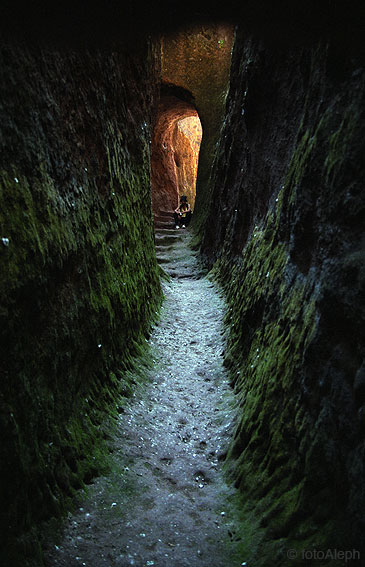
(174, 156)
(288, 248)
(198, 58)
(187, 138)
(78, 277)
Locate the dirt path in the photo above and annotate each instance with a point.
(166, 503)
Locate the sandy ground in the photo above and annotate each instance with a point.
(165, 502)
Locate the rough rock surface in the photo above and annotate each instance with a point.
(175, 153)
(79, 280)
(288, 246)
(198, 59)
(187, 141)
(165, 501)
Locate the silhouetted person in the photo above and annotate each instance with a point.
(182, 214)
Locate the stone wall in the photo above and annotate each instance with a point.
(288, 249)
(172, 159)
(79, 281)
(187, 139)
(198, 58)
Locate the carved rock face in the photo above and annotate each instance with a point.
(197, 59)
(175, 151)
(187, 138)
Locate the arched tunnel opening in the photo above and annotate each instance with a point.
(170, 396)
(175, 154)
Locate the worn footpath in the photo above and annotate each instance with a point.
(165, 502)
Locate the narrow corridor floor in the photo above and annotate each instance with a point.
(166, 503)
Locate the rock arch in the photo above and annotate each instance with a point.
(175, 149)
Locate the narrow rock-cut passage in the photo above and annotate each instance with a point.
(166, 502)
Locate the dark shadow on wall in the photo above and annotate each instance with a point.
(126, 23)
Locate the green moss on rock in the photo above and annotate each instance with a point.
(79, 278)
(287, 248)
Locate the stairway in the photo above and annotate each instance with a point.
(174, 253)
(164, 219)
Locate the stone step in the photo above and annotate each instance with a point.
(164, 247)
(161, 233)
(167, 238)
(163, 230)
(169, 228)
(164, 260)
(164, 216)
(164, 224)
(162, 219)
(164, 252)
(182, 275)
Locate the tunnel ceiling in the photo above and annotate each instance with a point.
(127, 22)
(197, 59)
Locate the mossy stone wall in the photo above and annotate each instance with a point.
(288, 249)
(79, 281)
